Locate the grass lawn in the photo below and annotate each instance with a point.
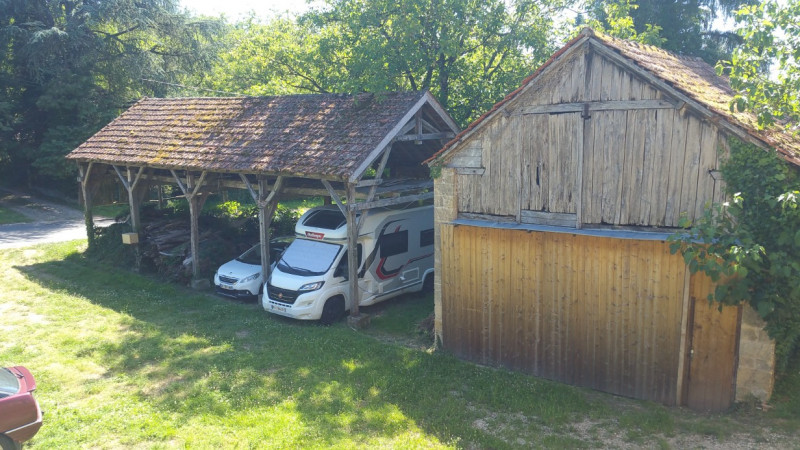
(126, 361)
(9, 216)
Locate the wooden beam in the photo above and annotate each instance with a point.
(131, 183)
(584, 139)
(379, 173)
(249, 187)
(548, 218)
(368, 183)
(180, 183)
(336, 198)
(386, 141)
(683, 346)
(190, 191)
(610, 105)
(390, 201)
(87, 194)
(425, 136)
(196, 188)
(267, 202)
(352, 252)
(276, 187)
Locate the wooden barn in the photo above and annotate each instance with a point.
(553, 211)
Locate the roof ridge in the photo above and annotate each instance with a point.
(644, 46)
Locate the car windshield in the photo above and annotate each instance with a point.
(276, 247)
(305, 257)
(9, 385)
(252, 256)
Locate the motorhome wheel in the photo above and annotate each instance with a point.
(333, 311)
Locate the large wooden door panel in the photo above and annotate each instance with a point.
(712, 354)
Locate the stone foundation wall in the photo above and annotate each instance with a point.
(755, 375)
(445, 210)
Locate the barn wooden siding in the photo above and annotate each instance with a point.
(632, 157)
(597, 312)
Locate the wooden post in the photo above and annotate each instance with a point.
(194, 216)
(131, 183)
(190, 191)
(352, 251)
(160, 188)
(86, 193)
(267, 201)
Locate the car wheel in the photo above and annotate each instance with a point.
(7, 444)
(333, 311)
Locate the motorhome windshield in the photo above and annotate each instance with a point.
(308, 258)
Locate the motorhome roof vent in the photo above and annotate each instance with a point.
(325, 218)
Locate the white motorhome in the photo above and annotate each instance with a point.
(395, 255)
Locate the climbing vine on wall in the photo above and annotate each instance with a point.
(750, 245)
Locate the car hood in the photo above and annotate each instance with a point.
(26, 381)
(238, 269)
(292, 282)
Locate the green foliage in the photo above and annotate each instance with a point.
(469, 53)
(751, 245)
(67, 67)
(765, 70)
(684, 27)
(614, 18)
(232, 210)
(284, 221)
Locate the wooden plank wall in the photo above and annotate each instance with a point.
(641, 167)
(496, 192)
(549, 161)
(596, 312)
(713, 349)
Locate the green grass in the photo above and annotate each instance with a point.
(8, 216)
(125, 361)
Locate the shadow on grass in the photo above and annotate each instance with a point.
(196, 355)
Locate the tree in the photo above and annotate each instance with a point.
(765, 70)
(684, 26)
(614, 18)
(469, 53)
(69, 66)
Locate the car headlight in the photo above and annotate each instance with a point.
(250, 278)
(311, 286)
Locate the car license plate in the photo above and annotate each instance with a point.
(226, 286)
(278, 308)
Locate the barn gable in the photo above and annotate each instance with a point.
(552, 215)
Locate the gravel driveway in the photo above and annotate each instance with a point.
(51, 222)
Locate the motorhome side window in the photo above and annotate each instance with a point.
(426, 237)
(341, 269)
(394, 243)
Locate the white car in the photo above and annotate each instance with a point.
(241, 277)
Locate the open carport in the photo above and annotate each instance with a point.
(363, 151)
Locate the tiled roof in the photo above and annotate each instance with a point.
(699, 81)
(324, 135)
(692, 77)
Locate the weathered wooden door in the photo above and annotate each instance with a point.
(712, 354)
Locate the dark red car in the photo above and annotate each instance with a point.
(20, 416)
